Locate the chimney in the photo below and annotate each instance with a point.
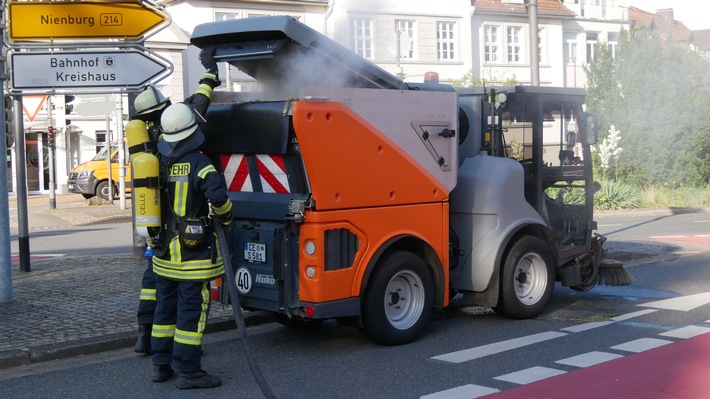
(666, 13)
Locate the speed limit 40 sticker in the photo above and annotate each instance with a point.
(242, 278)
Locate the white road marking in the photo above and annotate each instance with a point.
(641, 345)
(589, 359)
(469, 391)
(682, 303)
(530, 375)
(497, 347)
(587, 326)
(628, 316)
(686, 332)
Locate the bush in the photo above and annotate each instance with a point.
(670, 195)
(614, 195)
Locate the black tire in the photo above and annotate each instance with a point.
(102, 190)
(398, 300)
(527, 279)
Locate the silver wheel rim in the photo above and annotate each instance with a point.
(530, 278)
(404, 299)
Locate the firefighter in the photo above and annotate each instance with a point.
(187, 256)
(149, 106)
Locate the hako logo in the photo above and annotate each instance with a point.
(265, 279)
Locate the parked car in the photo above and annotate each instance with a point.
(91, 178)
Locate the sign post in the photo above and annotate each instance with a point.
(88, 47)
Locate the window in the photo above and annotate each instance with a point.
(406, 30)
(445, 41)
(591, 42)
(225, 16)
(514, 45)
(363, 37)
(570, 48)
(491, 44)
(613, 43)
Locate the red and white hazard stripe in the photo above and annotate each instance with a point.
(236, 172)
(272, 173)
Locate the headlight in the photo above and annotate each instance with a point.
(85, 174)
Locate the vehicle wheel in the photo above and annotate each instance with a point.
(527, 279)
(87, 196)
(398, 300)
(102, 190)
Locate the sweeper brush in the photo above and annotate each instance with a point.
(612, 272)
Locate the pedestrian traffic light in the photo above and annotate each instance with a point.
(68, 108)
(50, 137)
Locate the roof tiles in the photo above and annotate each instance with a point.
(544, 7)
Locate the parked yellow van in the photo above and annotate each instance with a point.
(91, 178)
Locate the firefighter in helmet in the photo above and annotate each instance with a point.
(187, 257)
(149, 106)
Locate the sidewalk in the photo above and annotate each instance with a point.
(78, 305)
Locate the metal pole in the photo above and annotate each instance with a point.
(5, 258)
(534, 45)
(50, 148)
(121, 154)
(108, 153)
(398, 35)
(23, 235)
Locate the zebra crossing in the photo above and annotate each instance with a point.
(529, 375)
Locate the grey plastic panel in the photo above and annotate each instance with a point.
(281, 51)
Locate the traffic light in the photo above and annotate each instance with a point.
(50, 137)
(9, 131)
(68, 108)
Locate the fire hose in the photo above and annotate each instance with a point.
(237, 310)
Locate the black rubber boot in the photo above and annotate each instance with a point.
(162, 372)
(196, 380)
(143, 340)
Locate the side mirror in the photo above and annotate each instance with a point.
(591, 126)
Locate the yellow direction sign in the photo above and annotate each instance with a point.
(43, 21)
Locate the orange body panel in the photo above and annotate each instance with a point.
(373, 227)
(363, 182)
(351, 164)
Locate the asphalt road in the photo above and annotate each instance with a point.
(464, 350)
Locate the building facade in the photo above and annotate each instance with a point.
(486, 41)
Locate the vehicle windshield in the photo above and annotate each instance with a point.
(102, 155)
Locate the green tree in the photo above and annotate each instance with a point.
(657, 94)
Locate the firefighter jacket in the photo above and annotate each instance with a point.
(188, 182)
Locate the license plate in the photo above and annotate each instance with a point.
(255, 252)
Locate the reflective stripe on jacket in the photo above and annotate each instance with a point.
(190, 183)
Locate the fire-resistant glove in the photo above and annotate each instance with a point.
(225, 220)
(207, 59)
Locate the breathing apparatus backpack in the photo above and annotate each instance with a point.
(146, 179)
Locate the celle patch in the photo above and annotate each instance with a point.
(180, 169)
